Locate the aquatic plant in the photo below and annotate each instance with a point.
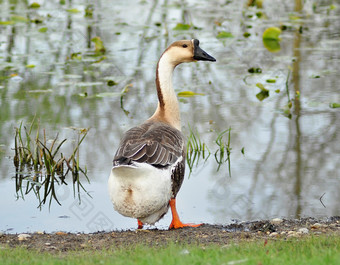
(222, 154)
(197, 149)
(39, 165)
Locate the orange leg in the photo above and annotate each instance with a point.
(176, 223)
(140, 224)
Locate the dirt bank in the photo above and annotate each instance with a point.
(203, 235)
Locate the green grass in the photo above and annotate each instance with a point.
(309, 250)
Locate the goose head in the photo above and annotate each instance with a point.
(185, 51)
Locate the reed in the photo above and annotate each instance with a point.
(197, 149)
(42, 166)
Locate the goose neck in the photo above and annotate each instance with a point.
(168, 108)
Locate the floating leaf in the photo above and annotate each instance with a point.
(332, 7)
(272, 33)
(271, 45)
(242, 150)
(72, 10)
(98, 43)
(254, 70)
(181, 26)
(271, 80)
(189, 94)
(30, 66)
(16, 18)
(257, 3)
(264, 92)
(111, 83)
(43, 30)
(224, 34)
(34, 5)
(334, 105)
(262, 95)
(6, 23)
(246, 34)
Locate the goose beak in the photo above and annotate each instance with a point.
(201, 55)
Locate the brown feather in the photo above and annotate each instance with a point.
(156, 143)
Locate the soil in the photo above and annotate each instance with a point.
(206, 234)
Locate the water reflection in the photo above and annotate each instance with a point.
(287, 163)
(44, 186)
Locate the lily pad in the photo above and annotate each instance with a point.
(181, 26)
(272, 33)
(30, 66)
(187, 94)
(6, 23)
(16, 18)
(334, 105)
(43, 29)
(224, 34)
(34, 5)
(272, 45)
(73, 10)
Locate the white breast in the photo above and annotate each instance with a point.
(140, 191)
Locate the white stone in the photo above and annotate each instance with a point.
(303, 230)
(318, 225)
(23, 237)
(276, 221)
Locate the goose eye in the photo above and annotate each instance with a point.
(184, 45)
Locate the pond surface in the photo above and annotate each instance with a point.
(285, 148)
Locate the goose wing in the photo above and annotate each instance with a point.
(157, 144)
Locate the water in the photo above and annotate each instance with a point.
(287, 165)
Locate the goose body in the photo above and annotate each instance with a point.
(148, 167)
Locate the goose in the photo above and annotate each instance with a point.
(148, 167)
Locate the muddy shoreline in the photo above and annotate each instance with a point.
(203, 235)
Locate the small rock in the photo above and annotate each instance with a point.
(47, 244)
(22, 237)
(291, 232)
(318, 225)
(184, 252)
(1, 234)
(303, 230)
(293, 235)
(274, 234)
(61, 233)
(40, 232)
(283, 233)
(276, 221)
